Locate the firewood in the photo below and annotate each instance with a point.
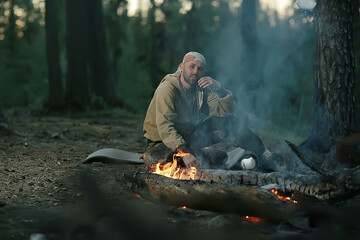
(213, 196)
(308, 162)
(313, 185)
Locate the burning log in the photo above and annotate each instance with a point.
(243, 192)
(310, 185)
(320, 186)
(211, 195)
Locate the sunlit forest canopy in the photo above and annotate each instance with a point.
(263, 51)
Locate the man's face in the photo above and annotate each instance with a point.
(192, 71)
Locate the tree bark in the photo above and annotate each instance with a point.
(191, 32)
(335, 79)
(356, 29)
(101, 74)
(10, 32)
(56, 89)
(249, 73)
(117, 34)
(156, 40)
(77, 92)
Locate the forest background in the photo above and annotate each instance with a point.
(265, 56)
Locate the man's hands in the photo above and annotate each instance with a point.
(183, 148)
(189, 160)
(205, 82)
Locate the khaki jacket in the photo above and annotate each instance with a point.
(171, 115)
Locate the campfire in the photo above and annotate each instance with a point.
(173, 169)
(281, 194)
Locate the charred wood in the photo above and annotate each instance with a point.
(310, 185)
(213, 196)
(307, 162)
(345, 184)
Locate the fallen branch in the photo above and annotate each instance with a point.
(307, 162)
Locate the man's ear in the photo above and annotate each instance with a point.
(181, 66)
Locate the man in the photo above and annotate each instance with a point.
(190, 111)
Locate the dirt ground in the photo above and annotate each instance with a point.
(47, 193)
(41, 165)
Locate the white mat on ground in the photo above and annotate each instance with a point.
(111, 155)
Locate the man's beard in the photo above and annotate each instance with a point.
(190, 79)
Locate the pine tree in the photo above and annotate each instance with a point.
(335, 78)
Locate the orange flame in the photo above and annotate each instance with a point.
(172, 170)
(253, 219)
(281, 197)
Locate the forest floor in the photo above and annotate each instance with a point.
(46, 189)
(41, 168)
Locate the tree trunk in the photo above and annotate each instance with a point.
(154, 39)
(334, 100)
(10, 32)
(191, 32)
(102, 78)
(56, 89)
(249, 73)
(356, 28)
(335, 75)
(117, 34)
(77, 92)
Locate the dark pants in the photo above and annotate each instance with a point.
(225, 133)
(211, 139)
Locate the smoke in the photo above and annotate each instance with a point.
(276, 91)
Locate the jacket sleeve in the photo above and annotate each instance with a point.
(220, 106)
(166, 116)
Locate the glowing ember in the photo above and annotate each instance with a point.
(172, 170)
(185, 207)
(136, 195)
(281, 196)
(253, 219)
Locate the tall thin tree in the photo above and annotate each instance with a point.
(101, 74)
(156, 42)
(77, 89)
(249, 74)
(56, 89)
